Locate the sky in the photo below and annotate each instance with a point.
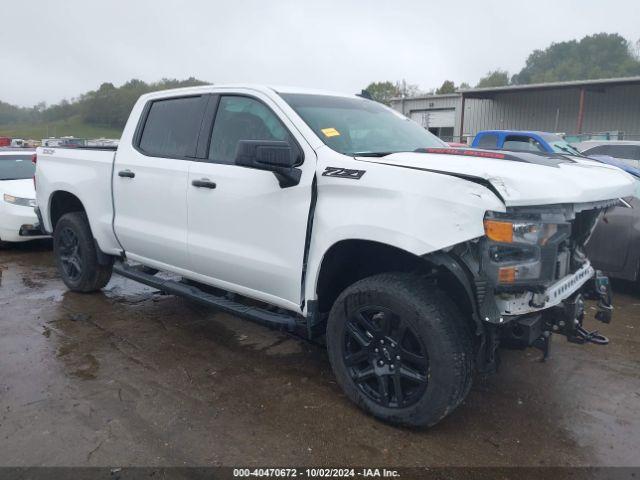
(50, 50)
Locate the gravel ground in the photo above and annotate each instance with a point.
(132, 377)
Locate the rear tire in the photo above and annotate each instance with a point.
(400, 349)
(76, 255)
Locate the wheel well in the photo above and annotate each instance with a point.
(62, 203)
(348, 261)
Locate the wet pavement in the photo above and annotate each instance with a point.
(132, 377)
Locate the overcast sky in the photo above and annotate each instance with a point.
(50, 50)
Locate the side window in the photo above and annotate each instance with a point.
(629, 152)
(522, 144)
(488, 141)
(243, 118)
(172, 127)
(599, 150)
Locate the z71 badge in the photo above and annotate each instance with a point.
(343, 173)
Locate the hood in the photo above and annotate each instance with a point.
(524, 179)
(18, 188)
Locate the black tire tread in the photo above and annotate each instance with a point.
(96, 276)
(428, 302)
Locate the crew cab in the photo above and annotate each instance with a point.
(336, 217)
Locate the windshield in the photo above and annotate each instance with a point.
(560, 145)
(16, 167)
(357, 126)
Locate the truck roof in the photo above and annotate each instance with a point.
(521, 132)
(268, 89)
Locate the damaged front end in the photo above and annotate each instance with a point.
(532, 277)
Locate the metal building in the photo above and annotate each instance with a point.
(577, 109)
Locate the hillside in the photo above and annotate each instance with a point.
(73, 126)
(98, 113)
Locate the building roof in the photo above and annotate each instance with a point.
(602, 82)
(489, 92)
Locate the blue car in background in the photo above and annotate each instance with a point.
(615, 244)
(541, 142)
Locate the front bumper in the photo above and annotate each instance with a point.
(30, 230)
(555, 294)
(19, 224)
(564, 318)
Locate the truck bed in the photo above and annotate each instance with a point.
(84, 172)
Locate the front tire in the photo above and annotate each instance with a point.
(400, 349)
(76, 255)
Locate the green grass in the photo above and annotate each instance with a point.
(73, 126)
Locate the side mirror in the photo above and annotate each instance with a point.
(277, 157)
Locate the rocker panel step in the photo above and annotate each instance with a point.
(256, 314)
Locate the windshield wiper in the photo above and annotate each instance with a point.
(372, 154)
(575, 153)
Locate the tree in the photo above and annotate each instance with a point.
(635, 49)
(406, 89)
(464, 86)
(383, 92)
(447, 87)
(107, 106)
(595, 56)
(497, 78)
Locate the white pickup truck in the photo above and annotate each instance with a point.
(334, 216)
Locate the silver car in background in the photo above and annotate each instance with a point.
(626, 150)
(614, 246)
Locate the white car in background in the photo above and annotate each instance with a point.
(18, 221)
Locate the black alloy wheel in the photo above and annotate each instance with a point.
(70, 254)
(385, 358)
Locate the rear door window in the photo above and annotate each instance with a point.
(172, 126)
(522, 144)
(488, 141)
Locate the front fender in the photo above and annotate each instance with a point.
(416, 212)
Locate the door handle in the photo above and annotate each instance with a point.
(203, 183)
(126, 174)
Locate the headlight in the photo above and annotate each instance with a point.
(23, 202)
(514, 231)
(521, 249)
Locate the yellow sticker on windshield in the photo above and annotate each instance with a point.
(330, 132)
